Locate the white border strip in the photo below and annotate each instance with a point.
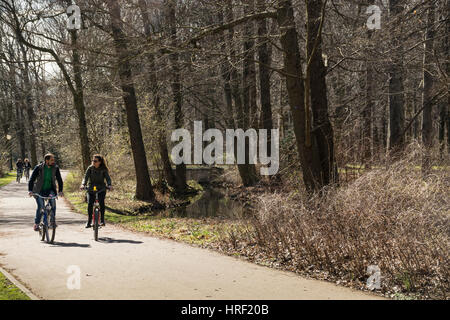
(14, 281)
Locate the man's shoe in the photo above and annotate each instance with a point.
(102, 224)
(36, 227)
(88, 225)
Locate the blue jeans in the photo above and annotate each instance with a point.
(40, 204)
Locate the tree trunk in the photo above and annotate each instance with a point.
(322, 129)
(225, 70)
(396, 89)
(246, 172)
(78, 101)
(29, 105)
(445, 109)
(249, 120)
(416, 121)
(296, 90)
(153, 80)
(180, 177)
(39, 91)
(367, 114)
(20, 130)
(427, 124)
(447, 50)
(443, 114)
(265, 59)
(144, 189)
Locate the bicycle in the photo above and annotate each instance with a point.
(96, 211)
(19, 175)
(27, 174)
(46, 212)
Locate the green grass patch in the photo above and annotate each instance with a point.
(180, 229)
(8, 291)
(8, 178)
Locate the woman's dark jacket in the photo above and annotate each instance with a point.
(96, 177)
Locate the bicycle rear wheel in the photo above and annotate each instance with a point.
(95, 225)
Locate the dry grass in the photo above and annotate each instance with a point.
(391, 217)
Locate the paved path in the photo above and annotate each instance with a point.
(127, 265)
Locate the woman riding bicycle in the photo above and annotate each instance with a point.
(96, 175)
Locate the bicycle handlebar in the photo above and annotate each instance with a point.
(98, 191)
(45, 198)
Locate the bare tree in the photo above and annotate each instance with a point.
(180, 176)
(396, 88)
(144, 189)
(427, 104)
(153, 80)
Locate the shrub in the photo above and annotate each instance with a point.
(390, 217)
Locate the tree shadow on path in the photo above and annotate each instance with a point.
(111, 240)
(70, 244)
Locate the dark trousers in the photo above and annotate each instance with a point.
(101, 200)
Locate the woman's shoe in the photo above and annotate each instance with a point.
(88, 225)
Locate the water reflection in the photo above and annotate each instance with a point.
(213, 203)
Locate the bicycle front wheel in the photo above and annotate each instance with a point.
(95, 226)
(51, 231)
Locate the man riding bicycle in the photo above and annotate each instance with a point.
(20, 166)
(43, 182)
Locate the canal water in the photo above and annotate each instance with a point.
(211, 203)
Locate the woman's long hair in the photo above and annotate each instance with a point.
(102, 160)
